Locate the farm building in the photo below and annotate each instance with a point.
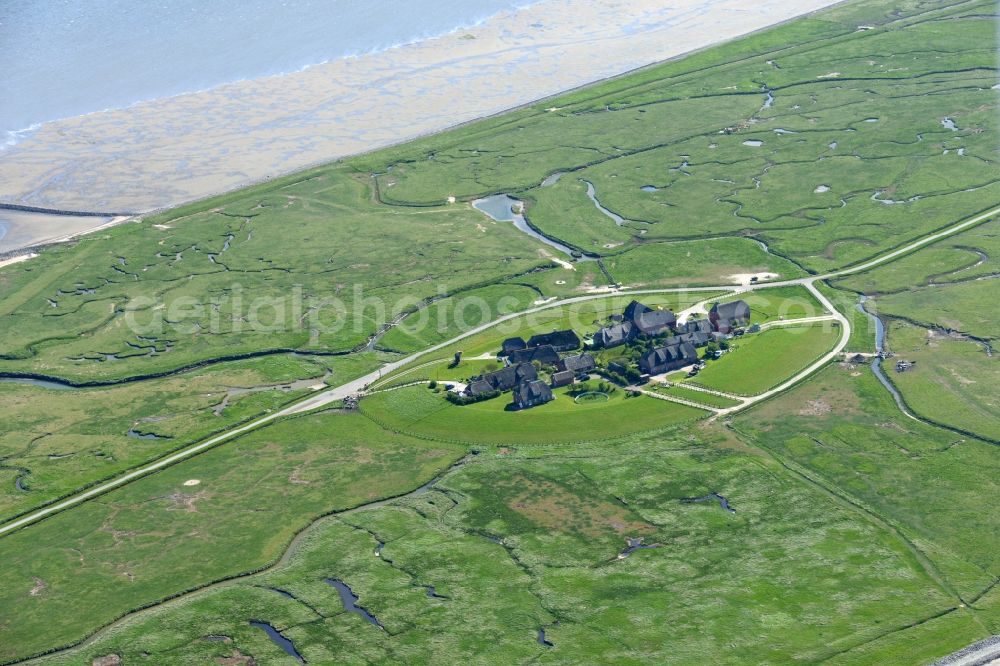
(562, 378)
(614, 336)
(532, 393)
(558, 340)
(664, 359)
(502, 380)
(647, 320)
(727, 316)
(512, 345)
(577, 364)
(545, 355)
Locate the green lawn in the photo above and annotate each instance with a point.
(779, 303)
(701, 397)
(763, 360)
(957, 307)
(425, 413)
(966, 256)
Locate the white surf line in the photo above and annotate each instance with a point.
(359, 384)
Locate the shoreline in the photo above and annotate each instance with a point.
(16, 135)
(465, 117)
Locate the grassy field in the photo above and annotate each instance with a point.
(55, 441)
(862, 328)
(515, 543)
(700, 397)
(970, 255)
(227, 511)
(956, 307)
(424, 413)
(290, 265)
(779, 303)
(699, 262)
(859, 536)
(850, 119)
(763, 360)
(953, 381)
(846, 132)
(842, 430)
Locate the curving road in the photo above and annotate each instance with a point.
(357, 385)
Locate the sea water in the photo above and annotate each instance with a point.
(63, 58)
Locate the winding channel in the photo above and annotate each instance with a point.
(359, 384)
(877, 361)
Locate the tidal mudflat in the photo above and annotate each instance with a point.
(164, 152)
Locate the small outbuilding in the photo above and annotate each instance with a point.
(562, 378)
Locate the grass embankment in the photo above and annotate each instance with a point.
(421, 412)
(701, 397)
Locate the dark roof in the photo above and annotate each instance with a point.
(612, 336)
(560, 340)
(478, 387)
(648, 320)
(580, 363)
(545, 355)
(668, 358)
(698, 338)
(530, 393)
(634, 309)
(696, 325)
(737, 311)
(512, 344)
(563, 378)
(654, 322)
(509, 377)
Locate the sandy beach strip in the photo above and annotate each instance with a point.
(165, 152)
(19, 258)
(29, 229)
